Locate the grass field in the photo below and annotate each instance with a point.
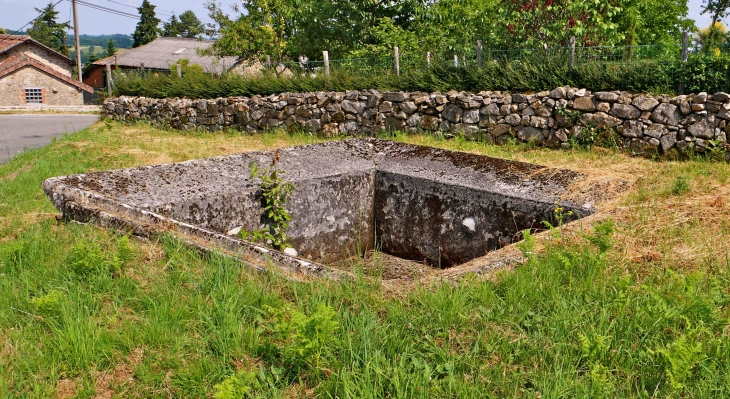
(635, 306)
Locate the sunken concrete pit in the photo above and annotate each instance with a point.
(439, 207)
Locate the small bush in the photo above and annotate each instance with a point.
(680, 186)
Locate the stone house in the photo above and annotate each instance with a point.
(32, 73)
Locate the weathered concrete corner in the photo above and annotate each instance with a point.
(414, 202)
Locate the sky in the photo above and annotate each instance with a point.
(15, 13)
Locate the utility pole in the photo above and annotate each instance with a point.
(76, 40)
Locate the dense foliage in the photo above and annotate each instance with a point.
(700, 73)
(47, 30)
(286, 29)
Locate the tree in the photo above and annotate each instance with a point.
(653, 21)
(456, 25)
(171, 27)
(342, 27)
(111, 49)
(3, 31)
(548, 23)
(288, 28)
(90, 61)
(48, 31)
(718, 9)
(188, 26)
(713, 38)
(146, 30)
(264, 28)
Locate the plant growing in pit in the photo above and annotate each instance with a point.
(274, 192)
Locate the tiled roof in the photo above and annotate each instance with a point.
(165, 51)
(16, 62)
(8, 42)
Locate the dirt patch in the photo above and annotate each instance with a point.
(66, 388)
(12, 175)
(386, 267)
(107, 383)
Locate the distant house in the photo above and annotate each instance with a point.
(32, 73)
(158, 55)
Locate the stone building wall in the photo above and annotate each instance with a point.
(51, 59)
(57, 92)
(641, 123)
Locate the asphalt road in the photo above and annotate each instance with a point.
(19, 132)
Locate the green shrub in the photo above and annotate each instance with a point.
(531, 72)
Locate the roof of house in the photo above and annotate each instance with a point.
(165, 51)
(8, 42)
(16, 62)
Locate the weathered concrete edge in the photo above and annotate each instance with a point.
(83, 206)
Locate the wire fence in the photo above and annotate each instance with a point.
(714, 67)
(386, 64)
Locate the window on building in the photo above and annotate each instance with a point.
(33, 95)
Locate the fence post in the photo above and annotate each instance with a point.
(109, 79)
(141, 66)
(685, 54)
(268, 62)
(456, 60)
(428, 58)
(479, 53)
(326, 58)
(396, 61)
(572, 51)
(179, 70)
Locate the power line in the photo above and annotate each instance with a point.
(30, 22)
(165, 13)
(114, 11)
(169, 13)
(107, 9)
(33, 20)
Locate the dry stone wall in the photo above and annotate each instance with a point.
(641, 123)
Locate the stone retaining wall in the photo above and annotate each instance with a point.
(641, 123)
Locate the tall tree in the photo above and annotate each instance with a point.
(288, 28)
(111, 49)
(188, 26)
(718, 9)
(456, 25)
(342, 27)
(653, 21)
(264, 28)
(48, 31)
(171, 28)
(147, 28)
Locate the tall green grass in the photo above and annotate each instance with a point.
(563, 325)
(84, 304)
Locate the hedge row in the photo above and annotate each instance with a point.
(710, 74)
